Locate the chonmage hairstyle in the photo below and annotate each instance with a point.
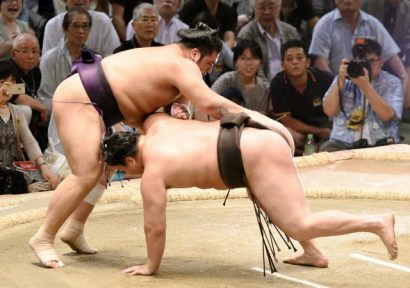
(202, 37)
(118, 146)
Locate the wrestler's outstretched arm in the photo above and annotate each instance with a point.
(154, 203)
(191, 85)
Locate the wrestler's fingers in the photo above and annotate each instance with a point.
(137, 270)
(129, 270)
(181, 115)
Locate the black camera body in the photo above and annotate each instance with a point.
(355, 68)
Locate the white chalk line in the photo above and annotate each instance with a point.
(380, 262)
(289, 278)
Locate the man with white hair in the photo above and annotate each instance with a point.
(145, 25)
(25, 58)
(169, 23)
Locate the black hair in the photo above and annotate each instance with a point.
(244, 44)
(68, 17)
(119, 146)
(202, 37)
(7, 69)
(294, 43)
(366, 46)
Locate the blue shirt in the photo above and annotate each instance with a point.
(333, 39)
(273, 43)
(387, 86)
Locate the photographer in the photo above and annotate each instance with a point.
(365, 101)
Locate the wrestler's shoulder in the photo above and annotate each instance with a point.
(156, 120)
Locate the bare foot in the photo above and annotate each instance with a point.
(387, 234)
(315, 259)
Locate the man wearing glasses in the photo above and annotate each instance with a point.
(102, 39)
(365, 101)
(25, 58)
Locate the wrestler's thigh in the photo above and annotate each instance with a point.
(80, 129)
(273, 177)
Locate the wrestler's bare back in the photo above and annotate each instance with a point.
(142, 80)
(194, 145)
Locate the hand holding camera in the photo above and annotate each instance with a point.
(356, 70)
(359, 66)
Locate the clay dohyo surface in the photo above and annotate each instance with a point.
(211, 245)
(208, 245)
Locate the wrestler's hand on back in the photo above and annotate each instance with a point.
(138, 270)
(180, 111)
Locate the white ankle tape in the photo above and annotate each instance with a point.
(95, 194)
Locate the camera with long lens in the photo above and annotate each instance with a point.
(355, 68)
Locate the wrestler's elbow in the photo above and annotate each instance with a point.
(154, 230)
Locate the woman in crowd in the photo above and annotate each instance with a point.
(14, 133)
(10, 26)
(254, 89)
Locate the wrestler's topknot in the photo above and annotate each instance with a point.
(119, 146)
(202, 37)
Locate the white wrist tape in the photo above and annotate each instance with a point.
(95, 194)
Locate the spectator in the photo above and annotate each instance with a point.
(321, 7)
(269, 32)
(242, 21)
(39, 12)
(299, 14)
(122, 11)
(25, 58)
(59, 6)
(254, 89)
(10, 26)
(337, 31)
(102, 37)
(394, 16)
(169, 24)
(226, 16)
(56, 63)
(145, 24)
(242, 7)
(95, 5)
(15, 133)
(101, 6)
(367, 108)
(297, 93)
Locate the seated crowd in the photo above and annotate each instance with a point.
(336, 69)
